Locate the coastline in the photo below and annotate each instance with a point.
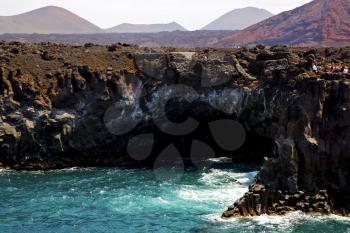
(97, 106)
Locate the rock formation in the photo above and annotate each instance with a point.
(64, 106)
(308, 116)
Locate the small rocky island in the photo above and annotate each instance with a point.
(60, 108)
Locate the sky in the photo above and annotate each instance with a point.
(192, 14)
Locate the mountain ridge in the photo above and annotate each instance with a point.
(320, 22)
(145, 28)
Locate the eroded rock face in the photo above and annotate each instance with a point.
(81, 108)
(310, 167)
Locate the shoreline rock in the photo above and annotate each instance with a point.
(260, 200)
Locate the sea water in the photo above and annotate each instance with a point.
(135, 200)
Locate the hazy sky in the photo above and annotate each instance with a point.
(192, 14)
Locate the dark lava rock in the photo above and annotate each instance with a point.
(46, 56)
(14, 50)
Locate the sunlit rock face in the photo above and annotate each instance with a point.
(96, 106)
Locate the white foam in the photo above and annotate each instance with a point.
(160, 200)
(222, 186)
(282, 222)
(220, 160)
(222, 195)
(4, 170)
(218, 177)
(69, 169)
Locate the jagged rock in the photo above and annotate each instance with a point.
(215, 73)
(5, 84)
(153, 65)
(14, 51)
(9, 141)
(113, 47)
(78, 82)
(241, 71)
(46, 56)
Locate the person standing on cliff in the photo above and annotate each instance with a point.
(314, 68)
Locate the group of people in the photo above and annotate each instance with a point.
(338, 69)
(333, 69)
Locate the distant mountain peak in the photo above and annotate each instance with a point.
(238, 19)
(49, 19)
(51, 8)
(320, 22)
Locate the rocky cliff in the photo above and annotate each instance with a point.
(309, 169)
(64, 106)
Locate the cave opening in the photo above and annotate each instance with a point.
(218, 134)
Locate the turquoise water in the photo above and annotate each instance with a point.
(117, 200)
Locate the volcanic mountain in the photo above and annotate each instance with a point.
(146, 28)
(320, 22)
(239, 19)
(47, 20)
